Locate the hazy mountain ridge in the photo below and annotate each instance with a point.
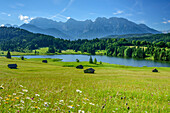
(73, 29)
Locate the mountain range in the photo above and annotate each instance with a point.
(88, 29)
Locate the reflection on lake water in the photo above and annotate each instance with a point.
(111, 60)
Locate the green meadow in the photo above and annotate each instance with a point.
(58, 86)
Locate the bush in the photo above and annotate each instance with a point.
(77, 60)
(100, 62)
(22, 57)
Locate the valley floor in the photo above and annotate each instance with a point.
(60, 87)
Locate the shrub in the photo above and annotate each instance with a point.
(22, 57)
(77, 60)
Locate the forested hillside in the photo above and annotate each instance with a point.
(15, 39)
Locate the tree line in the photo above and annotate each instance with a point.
(16, 39)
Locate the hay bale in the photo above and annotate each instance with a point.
(12, 66)
(79, 67)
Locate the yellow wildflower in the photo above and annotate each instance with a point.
(13, 99)
(7, 99)
(9, 95)
(17, 97)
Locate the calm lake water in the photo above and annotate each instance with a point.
(111, 60)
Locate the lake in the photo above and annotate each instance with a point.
(107, 59)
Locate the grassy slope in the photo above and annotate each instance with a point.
(144, 90)
(43, 51)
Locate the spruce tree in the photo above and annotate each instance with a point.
(90, 60)
(95, 61)
(8, 55)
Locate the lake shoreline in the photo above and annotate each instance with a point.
(103, 58)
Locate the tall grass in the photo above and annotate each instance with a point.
(55, 87)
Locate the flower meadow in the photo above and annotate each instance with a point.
(35, 87)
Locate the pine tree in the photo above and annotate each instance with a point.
(8, 55)
(95, 61)
(90, 60)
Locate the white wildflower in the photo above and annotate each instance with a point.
(20, 85)
(46, 104)
(81, 111)
(71, 107)
(84, 102)
(14, 94)
(91, 104)
(24, 90)
(37, 95)
(33, 101)
(114, 111)
(1, 87)
(21, 101)
(28, 98)
(21, 93)
(71, 101)
(1, 98)
(78, 91)
(61, 101)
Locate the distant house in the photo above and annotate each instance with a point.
(79, 67)
(90, 70)
(154, 70)
(12, 66)
(44, 61)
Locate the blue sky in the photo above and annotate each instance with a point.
(154, 13)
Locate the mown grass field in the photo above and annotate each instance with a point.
(60, 87)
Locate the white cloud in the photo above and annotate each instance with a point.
(60, 17)
(25, 19)
(68, 5)
(31, 18)
(166, 22)
(2, 25)
(68, 18)
(3, 13)
(22, 17)
(118, 12)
